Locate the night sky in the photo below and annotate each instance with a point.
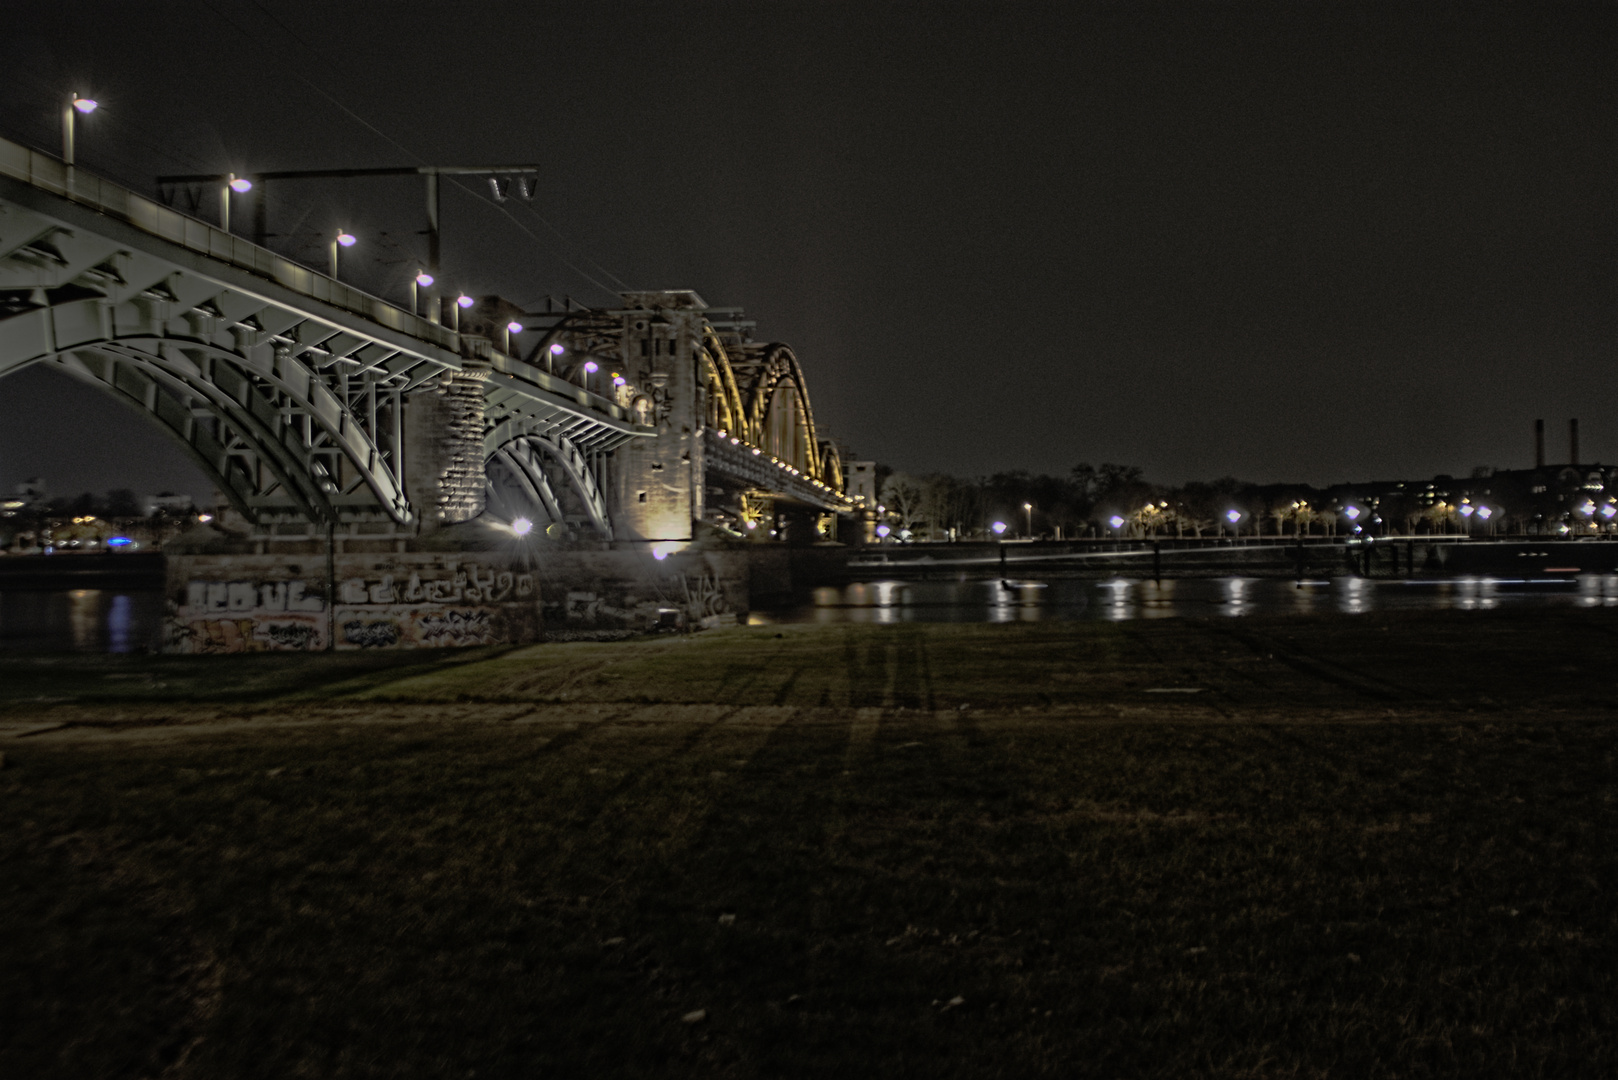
(1286, 242)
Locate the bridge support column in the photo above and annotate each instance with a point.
(444, 449)
(657, 483)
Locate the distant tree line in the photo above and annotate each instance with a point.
(1117, 500)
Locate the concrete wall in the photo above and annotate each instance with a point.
(232, 603)
(270, 603)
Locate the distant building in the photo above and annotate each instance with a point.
(859, 483)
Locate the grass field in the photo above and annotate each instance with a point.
(1374, 846)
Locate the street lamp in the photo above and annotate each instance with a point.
(421, 281)
(1028, 512)
(556, 349)
(343, 239)
(590, 368)
(74, 104)
(239, 184)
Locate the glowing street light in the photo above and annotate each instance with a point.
(514, 327)
(883, 531)
(464, 301)
(999, 528)
(522, 526)
(75, 104)
(590, 368)
(421, 281)
(1352, 513)
(1028, 512)
(240, 185)
(1115, 521)
(343, 239)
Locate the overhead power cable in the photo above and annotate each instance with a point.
(417, 158)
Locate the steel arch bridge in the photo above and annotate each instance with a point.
(735, 427)
(289, 389)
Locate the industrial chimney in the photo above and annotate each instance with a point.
(1573, 442)
(1539, 444)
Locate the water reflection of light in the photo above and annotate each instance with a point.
(1356, 596)
(120, 624)
(1598, 590)
(1236, 602)
(1116, 606)
(1476, 594)
(81, 617)
(1157, 599)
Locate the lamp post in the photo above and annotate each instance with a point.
(420, 281)
(1028, 512)
(343, 239)
(238, 184)
(75, 104)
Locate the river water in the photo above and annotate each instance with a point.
(114, 621)
(1134, 598)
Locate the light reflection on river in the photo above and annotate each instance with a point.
(1121, 599)
(100, 620)
(81, 620)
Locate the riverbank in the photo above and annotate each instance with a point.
(1299, 846)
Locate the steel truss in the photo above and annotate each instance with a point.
(286, 387)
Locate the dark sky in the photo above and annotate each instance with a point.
(1295, 241)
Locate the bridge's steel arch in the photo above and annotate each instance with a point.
(286, 387)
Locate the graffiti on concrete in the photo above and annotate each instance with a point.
(456, 628)
(373, 634)
(244, 635)
(465, 604)
(204, 596)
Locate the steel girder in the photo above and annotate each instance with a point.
(525, 446)
(284, 385)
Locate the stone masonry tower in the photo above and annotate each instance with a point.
(443, 424)
(657, 483)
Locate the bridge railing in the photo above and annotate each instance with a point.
(49, 174)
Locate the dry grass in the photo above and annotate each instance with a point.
(517, 864)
